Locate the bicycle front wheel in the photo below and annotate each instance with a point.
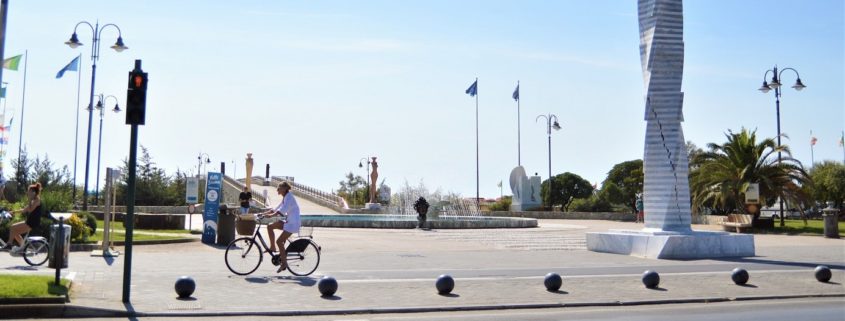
(303, 257)
(35, 253)
(243, 256)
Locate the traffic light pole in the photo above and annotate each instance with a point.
(130, 212)
(136, 100)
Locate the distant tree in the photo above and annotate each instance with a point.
(23, 166)
(722, 174)
(565, 188)
(50, 178)
(628, 178)
(152, 185)
(29, 171)
(354, 189)
(693, 151)
(828, 183)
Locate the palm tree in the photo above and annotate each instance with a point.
(721, 175)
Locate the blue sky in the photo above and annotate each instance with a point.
(310, 87)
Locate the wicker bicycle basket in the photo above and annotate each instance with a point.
(245, 224)
(305, 231)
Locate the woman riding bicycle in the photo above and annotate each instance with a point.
(33, 219)
(290, 225)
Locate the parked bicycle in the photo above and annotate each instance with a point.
(35, 249)
(245, 254)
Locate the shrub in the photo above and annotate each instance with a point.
(56, 201)
(90, 220)
(591, 204)
(79, 229)
(503, 204)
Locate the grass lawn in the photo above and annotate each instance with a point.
(813, 227)
(31, 286)
(119, 226)
(120, 236)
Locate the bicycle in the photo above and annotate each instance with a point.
(36, 249)
(245, 254)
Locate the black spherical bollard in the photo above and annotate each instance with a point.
(739, 276)
(553, 282)
(823, 273)
(651, 279)
(185, 286)
(445, 284)
(327, 286)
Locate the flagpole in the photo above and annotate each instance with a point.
(23, 104)
(4, 8)
(518, 130)
(76, 115)
(842, 142)
(477, 175)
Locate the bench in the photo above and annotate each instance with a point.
(737, 221)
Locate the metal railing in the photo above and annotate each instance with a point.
(324, 198)
(232, 186)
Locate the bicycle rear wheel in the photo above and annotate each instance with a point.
(35, 253)
(303, 257)
(243, 256)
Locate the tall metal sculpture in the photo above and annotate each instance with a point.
(666, 167)
(667, 233)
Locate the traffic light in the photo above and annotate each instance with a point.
(136, 96)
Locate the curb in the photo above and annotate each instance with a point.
(71, 311)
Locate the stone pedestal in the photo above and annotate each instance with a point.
(372, 206)
(671, 245)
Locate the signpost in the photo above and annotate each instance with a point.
(192, 187)
(212, 206)
(192, 191)
(752, 197)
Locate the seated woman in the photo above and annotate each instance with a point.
(289, 208)
(33, 219)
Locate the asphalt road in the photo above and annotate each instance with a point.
(812, 309)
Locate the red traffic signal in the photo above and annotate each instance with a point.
(136, 96)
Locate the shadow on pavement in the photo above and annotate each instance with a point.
(331, 298)
(450, 295)
(23, 268)
(784, 263)
(131, 311)
(257, 280)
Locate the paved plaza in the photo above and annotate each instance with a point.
(394, 271)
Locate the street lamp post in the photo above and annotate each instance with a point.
(118, 46)
(776, 84)
(551, 122)
(199, 163)
(100, 107)
(361, 165)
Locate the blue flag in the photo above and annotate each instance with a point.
(73, 65)
(473, 90)
(516, 93)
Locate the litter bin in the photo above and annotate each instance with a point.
(226, 225)
(60, 246)
(831, 221)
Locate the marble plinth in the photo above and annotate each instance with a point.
(656, 244)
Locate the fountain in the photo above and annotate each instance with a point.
(445, 211)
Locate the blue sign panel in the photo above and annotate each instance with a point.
(212, 207)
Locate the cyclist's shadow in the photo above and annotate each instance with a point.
(287, 279)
